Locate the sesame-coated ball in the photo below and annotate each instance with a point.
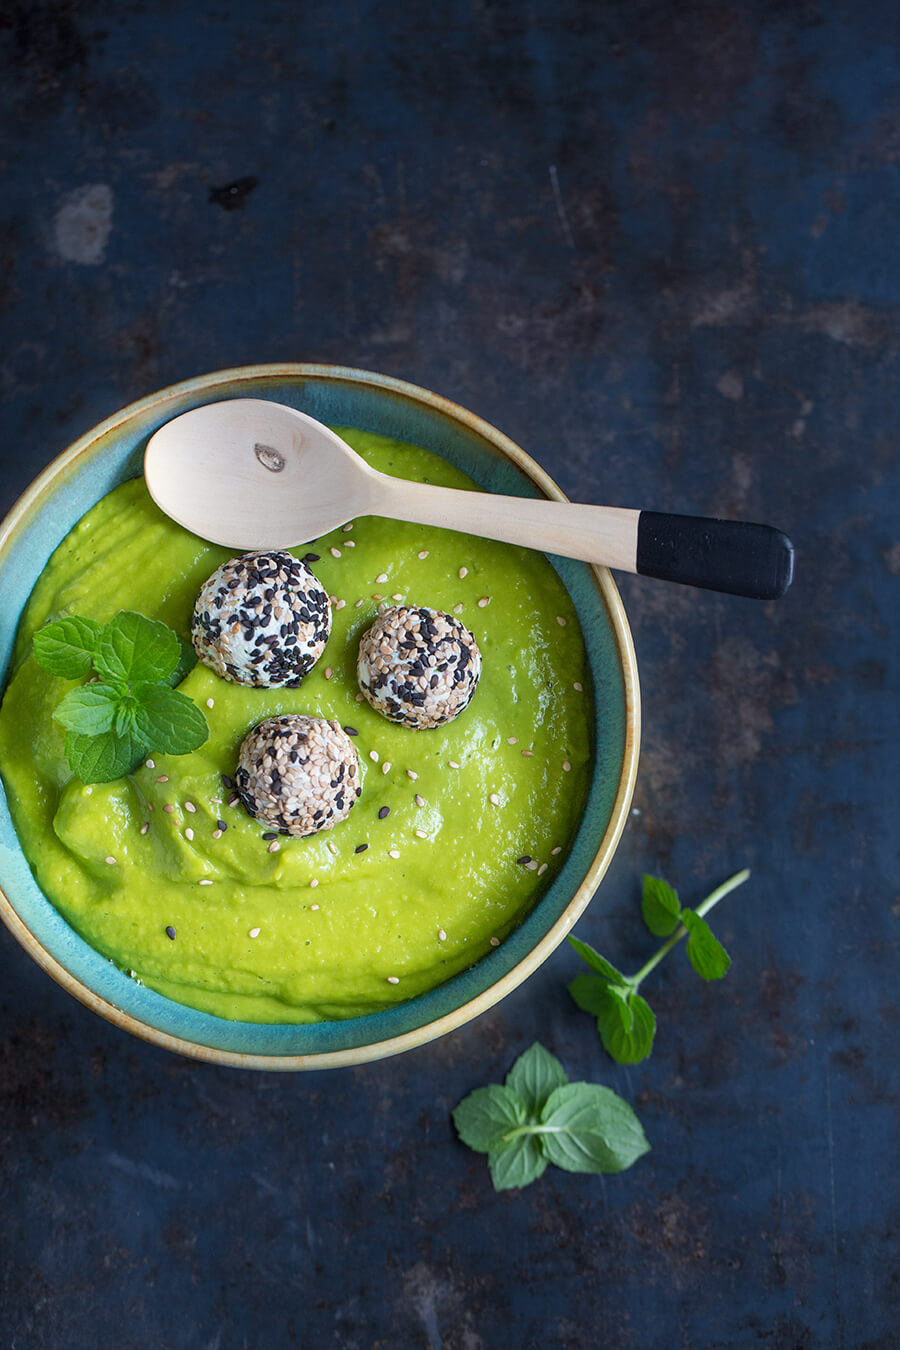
(297, 774)
(262, 619)
(418, 666)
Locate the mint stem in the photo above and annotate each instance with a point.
(534, 1129)
(711, 900)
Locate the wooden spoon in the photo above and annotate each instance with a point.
(254, 474)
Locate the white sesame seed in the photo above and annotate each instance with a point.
(332, 847)
(494, 799)
(151, 763)
(577, 686)
(398, 595)
(411, 773)
(561, 621)
(169, 808)
(358, 603)
(463, 572)
(349, 543)
(145, 827)
(163, 778)
(274, 846)
(360, 698)
(452, 764)
(556, 850)
(423, 555)
(442, 936)
(542, 869)
(485, 600)
(392, 979)
(314, 883)
(495, 942)
(189, 834)
(420, 801)
(348, 527)
(566, 766)
(374, 756)
(528, 754)
(189, 806)
(512, 740)
(420, 834)
(111, 860)
(205, 881)
(386, 766)
(328, 672)
(381, 578)
(335, 552)
(393, 853)
(532, 865)
(217, 834)
(210, 703)
(340, 604)
(457, 609)
(254, 932)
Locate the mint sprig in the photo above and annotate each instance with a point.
(625, 1020)
(130, 706)
(537, 1116)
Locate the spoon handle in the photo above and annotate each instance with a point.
(737, 557)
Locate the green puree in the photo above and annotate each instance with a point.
(326, 951)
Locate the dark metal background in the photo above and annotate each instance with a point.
(657, 244)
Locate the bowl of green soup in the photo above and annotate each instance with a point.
(159, 902)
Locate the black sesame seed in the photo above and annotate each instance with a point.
(523, 860)
(384, 813)
(170, 933)
(227, 782)
(220, 825)
(269, 835)
(360, 848)
(351, 731)
(310, 557)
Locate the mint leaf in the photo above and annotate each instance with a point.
(89, 710)
(592, 1130)
(705, 952)
(126, 716)
(169, 721)
(534, 1076)
(66, 646)
(625, 1020)
(186, 661)
(486, 1115)
(581, 1127)
(660, 906)
(517, 1163)
(629, 1042)
(100, 759)
(598, 962)
(137, 649)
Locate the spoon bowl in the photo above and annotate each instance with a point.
(249, 473)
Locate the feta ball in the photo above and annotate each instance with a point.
(262, 619)
(418, 666)
(298, 775)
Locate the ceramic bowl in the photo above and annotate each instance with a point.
(113, 452)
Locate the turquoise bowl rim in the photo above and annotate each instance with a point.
(111, 452)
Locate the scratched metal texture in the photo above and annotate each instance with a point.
(657, 245)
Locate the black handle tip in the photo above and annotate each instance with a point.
(736, 557)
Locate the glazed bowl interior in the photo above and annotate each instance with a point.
(112, 453)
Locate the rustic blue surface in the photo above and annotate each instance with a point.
(656, 245)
